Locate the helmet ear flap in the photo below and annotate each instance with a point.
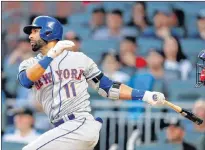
(45, 34)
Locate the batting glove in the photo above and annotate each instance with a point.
(59, 48)
(154, 98)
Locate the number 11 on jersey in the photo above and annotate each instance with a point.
(70, 87)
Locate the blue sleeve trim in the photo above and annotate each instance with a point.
(24, 80)
(137, 94)
(45, 62)
(105, 83)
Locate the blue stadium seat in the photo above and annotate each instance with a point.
(79, 18)
(190, 8)
(91, 7)
(82, 31)
(12, 146)
(130, 31)
(95, 48)
(109, 6)
(179, 90)
(146, 43)
(178, 32)
(160, 147)
(191, 25)
(193, 73)
(192, 47)
(127, 16)
(9, 129)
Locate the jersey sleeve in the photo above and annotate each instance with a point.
(27, 63)
(91, 69)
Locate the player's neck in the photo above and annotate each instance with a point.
(47, 47)
(25, 132)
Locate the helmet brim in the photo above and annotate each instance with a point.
(27, 29)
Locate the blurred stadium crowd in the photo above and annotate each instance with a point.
(147, 45)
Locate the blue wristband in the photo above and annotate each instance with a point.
(137, 94)
(45, 62)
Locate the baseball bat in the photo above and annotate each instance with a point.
(186, 113)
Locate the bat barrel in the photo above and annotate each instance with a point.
(189, 115)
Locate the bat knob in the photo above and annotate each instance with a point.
(199, 121)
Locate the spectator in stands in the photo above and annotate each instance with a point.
(139, 18)
(201, 24)
(128, 55)
(75, 38)
(24, 131)
(175, 59)
(110, 62)
(11, 64)
(162, 26)
(175, 135)
(199, 110)
(98, 19)
(114, 22)
(177, 18)
(155, 63)
(155, 66)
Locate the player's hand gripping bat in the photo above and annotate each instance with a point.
(188, 114)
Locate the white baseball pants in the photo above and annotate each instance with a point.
(82, 133)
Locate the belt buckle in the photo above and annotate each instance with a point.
(64, 119)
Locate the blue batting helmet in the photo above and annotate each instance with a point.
(51, 28)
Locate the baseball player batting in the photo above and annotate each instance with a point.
(59, 79)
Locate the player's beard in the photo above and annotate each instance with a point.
(38, 45)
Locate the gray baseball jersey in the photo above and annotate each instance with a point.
(62, 89)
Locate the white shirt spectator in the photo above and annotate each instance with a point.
(119, 76)
(104, 33)
(184, 66)
(16, 137)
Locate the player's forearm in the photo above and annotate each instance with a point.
(125, 92)
(29, 76)
(115, 90)
(34, 73)
(128, 93)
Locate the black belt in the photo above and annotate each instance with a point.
(71, 117)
